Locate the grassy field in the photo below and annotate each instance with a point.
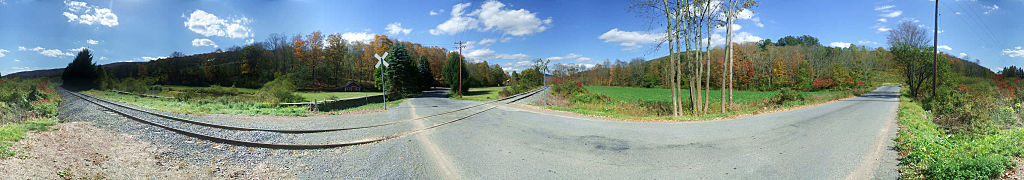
(646, 104)
(665, 95)
(480, 94)
(320, 96)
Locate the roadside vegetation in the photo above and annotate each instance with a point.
(26, 105)
(955, 123)
(480, 94)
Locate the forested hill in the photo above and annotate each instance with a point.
(794, 62)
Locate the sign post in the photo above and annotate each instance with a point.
(383, 84)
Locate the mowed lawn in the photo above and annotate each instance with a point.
(480, 94)
(665, 95)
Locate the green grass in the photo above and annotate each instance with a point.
(320, 96)
(12, 132)
(665, 95)
(480, 94)
(931, 153)
(200, 108)
(391, 104)
(634, 103)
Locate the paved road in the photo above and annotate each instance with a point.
(848, 139)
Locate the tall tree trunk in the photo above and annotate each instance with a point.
(672, 60)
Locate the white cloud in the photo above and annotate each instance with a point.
(54, 53)
(2, 51)
(434, 13)
(882, 20)
(396, 28)
(360, 36)
(892, 14)
(740, 37)
(1015, 52)
(867, 42)
(478, 55)
(962, 55)
(744, 14)
(492, 17)
(83, 13)
(207, 24)
(48, 52)
(884, 8)
(990, 8)
(945, 47)
(485, 41)
(840, 44)
(517, 66)
(77, 49)
(457, 23)
(203, 42)
(884, 29)
(735, 27)
(569, 56)
(17, 60)
(757, 21)
(631, 40)
(103, 58)
(250, 41)
(519, 56)
(93, 42)
(512, 22)
(584, 59)
(957, 13)
(147, 58)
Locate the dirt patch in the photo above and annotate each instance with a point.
(1018, 172)
(79, 150)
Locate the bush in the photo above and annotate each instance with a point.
(281, 89)
(787, 95)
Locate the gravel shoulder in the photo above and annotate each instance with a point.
(79, 150)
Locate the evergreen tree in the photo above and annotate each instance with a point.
(450, 73)
(426, 76)
(401, 74)
(81, 72)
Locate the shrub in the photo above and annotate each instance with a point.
(281, 89)
(787, 95)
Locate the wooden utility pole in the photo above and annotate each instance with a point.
(935, 55)
(461, 44)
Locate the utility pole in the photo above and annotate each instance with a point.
(935, 49)
(461, 44)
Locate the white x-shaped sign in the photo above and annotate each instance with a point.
(380, 60)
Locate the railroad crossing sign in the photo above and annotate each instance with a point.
(383, 85)
(380, 60)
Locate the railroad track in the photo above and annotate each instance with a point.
(293, 138)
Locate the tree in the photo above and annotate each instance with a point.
(451, 71)
(401, 74)
(427, 77)
(498, 75)
(81, 73)
(908, 46)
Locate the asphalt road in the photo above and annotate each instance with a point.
(847, 139)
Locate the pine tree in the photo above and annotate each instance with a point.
(401, 74)
(426, 76)
(81, 73)
(450, 73)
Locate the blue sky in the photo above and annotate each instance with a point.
(45, 34)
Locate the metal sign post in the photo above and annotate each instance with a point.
(383, 82)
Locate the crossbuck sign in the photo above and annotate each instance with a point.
(380, 60)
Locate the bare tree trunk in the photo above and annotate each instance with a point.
(672, 59)
(728, 33)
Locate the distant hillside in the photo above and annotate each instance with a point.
(118, 69)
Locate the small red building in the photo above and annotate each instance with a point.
(351, 86)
